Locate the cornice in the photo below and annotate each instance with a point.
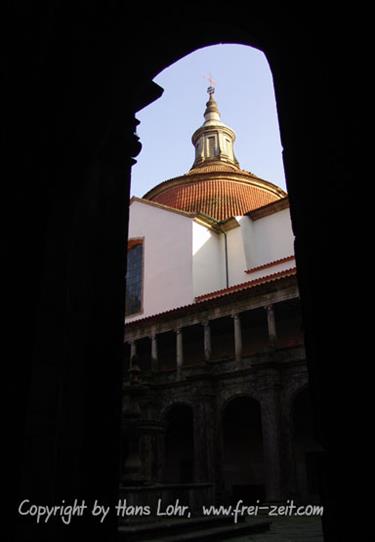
(242, 177)
(270, 208)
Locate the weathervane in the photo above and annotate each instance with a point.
(211, 88)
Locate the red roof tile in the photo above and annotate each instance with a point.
(220, 199)
(217, 189)
(274, 277)
(270, 264)
(245, 285)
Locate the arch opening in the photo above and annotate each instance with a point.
(246, 102)
(179, 445)
(221, 251)
(243, 462)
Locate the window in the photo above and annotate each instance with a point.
(211, 147)
(227, 146)
(134, 278)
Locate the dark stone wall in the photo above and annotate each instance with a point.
(75, 77)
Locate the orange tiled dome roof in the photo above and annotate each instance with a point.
(215, 185)
(219, 190)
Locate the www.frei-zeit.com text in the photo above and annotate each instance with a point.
(66, 512)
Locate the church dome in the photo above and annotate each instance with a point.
(215, 185)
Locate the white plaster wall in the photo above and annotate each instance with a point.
(236, 257)
(184, 259)
(208, 260)
(273, 237)
(276, 268)
(247, 233)
(267, 239)
(167, 263)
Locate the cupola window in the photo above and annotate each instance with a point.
(211, 146)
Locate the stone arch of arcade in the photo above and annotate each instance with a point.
(178, 419)
(267, 423)
(242, 449)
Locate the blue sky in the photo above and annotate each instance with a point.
(245, 97)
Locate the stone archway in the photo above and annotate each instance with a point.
(179, 444)
(243, 461)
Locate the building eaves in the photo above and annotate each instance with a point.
(201, 218)
(269, 208)
(162, 206)
(246, 285)
(203, 301)
(270, 264)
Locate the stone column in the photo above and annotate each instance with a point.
(272, 336)
(161, 462)
(270, 409)
(237, 337)
(151, 432)
(179, 354)
(205, 447)
(133, 471)
(200, 448)
(211, 435)
(220, 490)
(207, 341)
(154, 352)
(133, 352)
(134, 370)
